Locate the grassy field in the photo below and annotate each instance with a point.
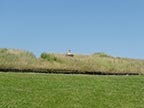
(98, 62)
(21, 90)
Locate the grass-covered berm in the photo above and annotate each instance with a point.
(23, 90)
(100, 63)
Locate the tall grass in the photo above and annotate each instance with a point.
(15, 58)
(98, 62)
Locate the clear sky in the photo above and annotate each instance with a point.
(115, 27)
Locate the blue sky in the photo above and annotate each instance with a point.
(115, 27)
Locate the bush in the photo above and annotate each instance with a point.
(101, 54)
(3, 50)
(49, 57)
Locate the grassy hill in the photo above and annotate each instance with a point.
(16, 59)
(100, 63)
(70, 91)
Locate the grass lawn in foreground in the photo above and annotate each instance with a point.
(22, 90)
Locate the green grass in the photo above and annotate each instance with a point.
(21, 90)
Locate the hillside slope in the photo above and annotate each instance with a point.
(19, 60)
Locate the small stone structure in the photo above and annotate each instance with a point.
(69, 54)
